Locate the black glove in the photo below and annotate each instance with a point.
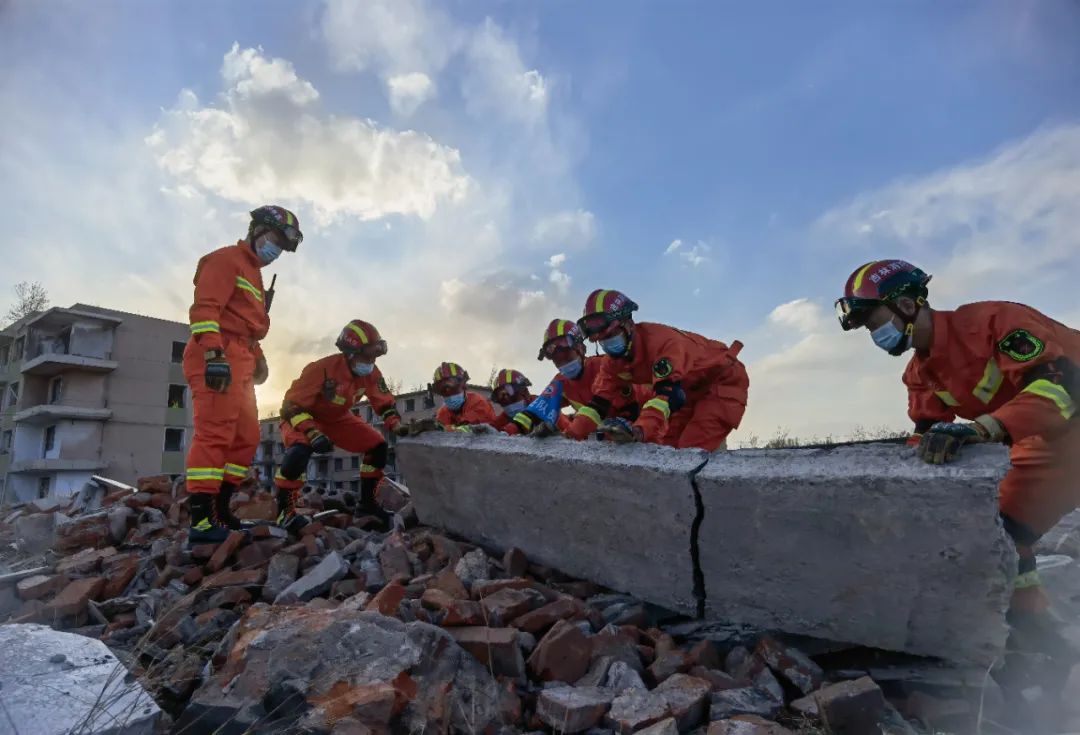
(262, 371)
(319, 442)
(942, 442)
(618, 430)
(218, 374)
(401, 430)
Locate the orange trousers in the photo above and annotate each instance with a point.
(348, 432)
(226, 424)
(1041, 486)
(705, 423)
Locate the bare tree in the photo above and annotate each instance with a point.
(491, 377)
(394, 385)
(29, 299)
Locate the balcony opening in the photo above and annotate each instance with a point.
(177, 396)
(43, 487)
(174, 440)
(178, 352)
(354, 486)
(5, 354)
(56, 389)
(323, 465)
(49, 443)
(429, 401)
(5, 442)
(410, 404)
(18, 349)
(12, 396)
(354, 462)
(338, 464)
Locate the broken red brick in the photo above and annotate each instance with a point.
(449, 582)
(494, 647)
(515, 562)
(853, 707)
(565, 608)
(224, 551)
(562, 655)
(707, 655)
(192, 576)
(388, 599)
(668, 664)
(203, 552)
(40, 585)
(155, 484)
(74, 598)
(315, 528)
(456, 612)
(394, 563)
(240, 578)
(507, 604)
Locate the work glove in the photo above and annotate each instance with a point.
(401, 430)
(262, 371)
(480, 429)
(319, 442)
(543, 430)
(619, 430)
(218, 374)
(942, 442)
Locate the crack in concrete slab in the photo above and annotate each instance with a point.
(700, 593)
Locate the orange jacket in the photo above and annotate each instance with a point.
(663, 354)
(998, 358)
(327, 388)
(228, 298)
(477, 410)
(578, 393)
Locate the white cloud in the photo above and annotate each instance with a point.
(498, 81)
(801, 314)
(571, 228)
(409, 91)
(556, 260)
(693, 256)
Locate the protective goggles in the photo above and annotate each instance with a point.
(448, 386)
(370, 351)
(594, 325)
(554, 346)
(292, 235)
(852, 312)
(504, 394)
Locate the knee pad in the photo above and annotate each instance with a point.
(295, 461)
(376, 457)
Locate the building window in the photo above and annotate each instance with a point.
(354, 462)
(56, 389)
(17, 350)
(178, 352)
(5, 443)
(338, 466)
(410, 404)
(50, 439)
(177, 396)
(174, 440)
(280, 448)
(339, 486)
(354, 486)
(43, 487)
(5, 354)
(322, 465)
(12, 395)
(429, 401)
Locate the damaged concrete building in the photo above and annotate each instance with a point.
(87, 390)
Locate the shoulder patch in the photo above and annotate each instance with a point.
(1022, 346)
(382, 385)
(662, 368)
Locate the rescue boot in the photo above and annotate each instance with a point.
(206, 527)
(224, 512)
(369, 506)
(287, 517)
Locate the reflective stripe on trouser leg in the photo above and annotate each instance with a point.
(235, 472)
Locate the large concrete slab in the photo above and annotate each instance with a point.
(620, 516)
(54, 683)
(863, 544)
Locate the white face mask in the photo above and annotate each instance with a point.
(361, 369)
(615, 345)
(267, 251)
(455, 402)
(571, 369)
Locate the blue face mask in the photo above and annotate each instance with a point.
(455, 402)
(889, 338)
(514, 408)
(614, 346)
(571, 369)
(267, 252)
(363, 368)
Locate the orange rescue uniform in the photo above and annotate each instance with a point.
(229, 315)
(477, 410)
(1017, 365)
(322, 398)
(709, 372)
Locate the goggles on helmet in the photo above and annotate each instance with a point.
(370, 351)
(448, 386)
(293, 235)
(553, 346)
(504, 395)
(594, 325)
(853, 311)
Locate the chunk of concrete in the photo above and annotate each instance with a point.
(317, 581)
(618, 515)
(57, 683)
(864, 544)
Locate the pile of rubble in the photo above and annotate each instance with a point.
(351, 630)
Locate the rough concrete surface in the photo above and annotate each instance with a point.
(864, 544)
(54, 683)
(619, 516)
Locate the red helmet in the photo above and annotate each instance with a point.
(604, 312)
(281, 220)
(361, 338)
(877, 283)
(508, 385)
(449, 376)
(560, 333)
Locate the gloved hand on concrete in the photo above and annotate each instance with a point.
(619, 430)
(262, 371)
(543, 430)
(319, 442)
(942, 442)
(481, 429)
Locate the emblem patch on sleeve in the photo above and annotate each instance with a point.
(1022, 346)
(662, 368)
(382, 385)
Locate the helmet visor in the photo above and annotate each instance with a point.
(554, 346)
(448, 386)
(594, 324)
(504, 395)
(853, 312)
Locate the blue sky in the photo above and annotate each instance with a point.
(468, 170)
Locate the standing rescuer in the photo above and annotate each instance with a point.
(462, 409)
(317, 414)
(696, 387)
(1007, 369)
(223, 363)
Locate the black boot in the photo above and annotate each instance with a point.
(287, 517)
(206, 527)
(225, 513)
(368, 505)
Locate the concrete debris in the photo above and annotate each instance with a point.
(353, 630)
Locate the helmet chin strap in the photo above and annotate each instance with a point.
(909, 325)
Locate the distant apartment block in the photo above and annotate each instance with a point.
(341, 470)
(86, 391)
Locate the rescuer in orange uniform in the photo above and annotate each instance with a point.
(317, 414)
(462, 409)
(1011, 372)
(223, 363)
(697, 386)
(564, 345)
